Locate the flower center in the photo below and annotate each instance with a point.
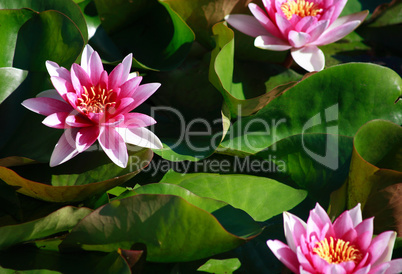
(337, 251)
(96, 100)
(299, 7)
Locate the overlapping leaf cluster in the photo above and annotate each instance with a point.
(89, 215)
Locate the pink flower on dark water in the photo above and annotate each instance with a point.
(345, 246)
(92, 105)
(298, 25)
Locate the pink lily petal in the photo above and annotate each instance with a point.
(305, 23)
(129, 87)
(343, 224)
(78, 120)
(62, 86)
(97, 118)
(114, 146)
(138, 120)
(363, 240)
(127, 61)
(264, 20)
(294, 227)
(246, 24)
(310, 58)
(356, 215)
(271, 43)
(85, 57)
(283, 24)
(50, 93)
(363, 264)
(317, 29)
(363, 270)
(115, 121)
(349, 235)
(328, 15)
(65, 147)
(317, 261)
(392, 267)
(143, 92)
(46, 106)
(140, 137)
(56, 120)
(284, 254)
(348, 266)
(86, 136)
(95, 68)
(104, 81)
(338, 7)
(115, 76)
(340, 28)
(381, 269)
(381, 247)
(334, 269)
(305, 263)
(318, 221)
(270, 8)
(79, 78)
(365, 226)
(55, 70)
(124, 106)
(298, 39)
(72, 99)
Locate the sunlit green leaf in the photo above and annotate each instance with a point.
(260, 197)
(59, 221)
(171, 228)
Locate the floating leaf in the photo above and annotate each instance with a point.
(260, 197)
(171, 228)
(337, 100)
(72, 181)
(221, 76)
(165, 37)
(318, 163)
(10, 79)
(220, 266)
(66, 7)
(59, 221)
(376, 174)
(52, 36)
(202, 15)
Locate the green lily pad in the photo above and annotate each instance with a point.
(66, 7)
(221, 75)
(59, 221)
(318, 163)
(337, 100)
(233, 220)
(10, 79)
(201, 15)
(52, 36)
(28, 259)
(220, 266)
(260, 197)
(169, 226)
(165, 37)
(72, 181)
(376, 174)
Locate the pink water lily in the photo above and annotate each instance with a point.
(298, 25)
(345, 246)
(90, 104)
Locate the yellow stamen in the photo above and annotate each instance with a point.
(299, 7)
(95, 101)
(337, 251)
